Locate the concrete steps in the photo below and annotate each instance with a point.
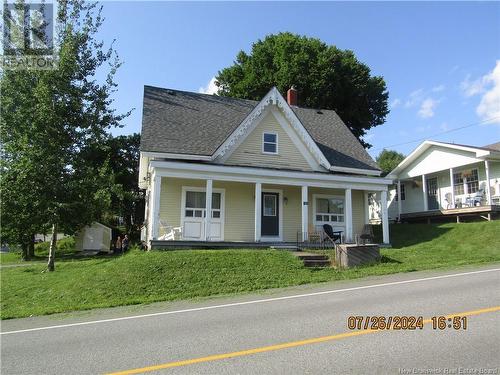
(313, 260)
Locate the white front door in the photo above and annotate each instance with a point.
(193, 214)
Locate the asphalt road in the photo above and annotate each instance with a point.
(310, 322)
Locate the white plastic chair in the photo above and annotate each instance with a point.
(171, 233)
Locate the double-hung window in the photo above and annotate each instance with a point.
(270, 143)
(330, 210)
(469, 179)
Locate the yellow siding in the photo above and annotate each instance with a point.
(250, 151)
(358, 212)
(239, 210)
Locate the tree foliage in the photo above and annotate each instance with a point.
(52, 122)
(388, 160)
(127, 200)
(325, 76)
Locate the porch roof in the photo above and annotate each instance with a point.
(196, 170)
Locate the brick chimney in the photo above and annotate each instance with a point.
(291, 96)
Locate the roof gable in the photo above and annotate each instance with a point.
(432, 156)
(291, 151)
(272, 99)
(185, 125)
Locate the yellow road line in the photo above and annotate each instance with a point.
(286, 345)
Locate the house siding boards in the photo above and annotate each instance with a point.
(249, 152)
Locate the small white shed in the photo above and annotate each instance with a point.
(96, 237)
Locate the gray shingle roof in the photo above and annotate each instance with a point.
(190, 123)
(493, 146)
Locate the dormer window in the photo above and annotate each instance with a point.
(270, 143)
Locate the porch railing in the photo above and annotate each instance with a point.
(314, 240)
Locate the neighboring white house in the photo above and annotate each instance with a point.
(440, 178)
(265, 171)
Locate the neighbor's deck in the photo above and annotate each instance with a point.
(481, 211)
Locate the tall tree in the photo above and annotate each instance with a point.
(387, 160)
(52, 120)
(127, 200)
(325, 76)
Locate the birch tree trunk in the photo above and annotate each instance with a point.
(31, 247)
(52, 249)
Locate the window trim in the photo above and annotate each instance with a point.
(461, 186)
(328, 196)
(403, 192)
(271, 143)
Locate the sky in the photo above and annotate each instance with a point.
(441, 61)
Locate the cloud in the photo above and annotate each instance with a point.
(427, 108)
(471, 88)
(395, 103)
(438, 88)
(210, 88)
(414, 98)
(489, 106)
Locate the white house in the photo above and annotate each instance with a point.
(265, 171)
(440, 178)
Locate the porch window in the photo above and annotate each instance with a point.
(403, 193)
(469, 178)
(270, 143)
(195, 204)
(330, 209)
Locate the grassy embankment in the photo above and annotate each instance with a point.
(139, 277)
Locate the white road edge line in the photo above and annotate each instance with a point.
(249, 302)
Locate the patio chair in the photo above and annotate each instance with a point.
(171, 233)
(332, 235)
(447, 198)
(367, 234)
(476, 199)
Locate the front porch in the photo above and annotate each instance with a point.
(252, 207)
(463, 191)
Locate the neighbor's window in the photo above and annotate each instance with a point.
(270, 143)
(470, 178)
(195, 204)
(403, 193)
(330, 209)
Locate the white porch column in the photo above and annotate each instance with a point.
(488, 188)
(305, 213)
(367, 208)
(208, 210)
(399, 200)
(452, 184)
(424, 191)
(385, 217)
(155, 206)
(348, 215)
(258, 209)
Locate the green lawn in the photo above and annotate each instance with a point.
(141, 277)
